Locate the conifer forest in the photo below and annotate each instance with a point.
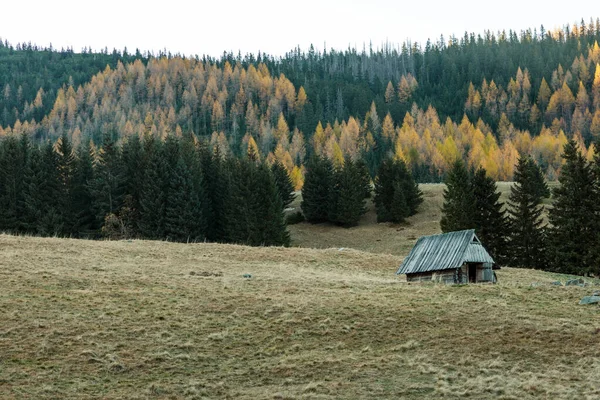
(167, 146)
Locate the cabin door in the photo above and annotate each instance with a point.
(472, 273)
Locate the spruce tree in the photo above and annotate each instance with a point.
(459, 200)
(14, 158)
(284, 183)
(133, 167)
(108, 186)
(66, 164)
(86, 222)
(347, 196)
(393, 176)
(153, 191)
(183, 212)
(215, 190)
(527, 247)
(365, 177)
(269, 218)
(538, 179)
(490, 221)
(574, 216)
(315, 192)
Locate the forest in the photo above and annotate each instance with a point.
(484, 98)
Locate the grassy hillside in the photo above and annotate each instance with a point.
(384, 238)
(83, 319)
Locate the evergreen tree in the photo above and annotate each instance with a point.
(184, 221)
(153, 191)
(315, 192)
(457, 210)
(490, 221)
(86, 222)
(392, 177)
(574, 216)
(133, 167)
(538, 179)
(66, 164)
(527, 236)
(284, 183)
(271, 229)
(347, 195)
(365, 177)
(215, 189)
(108, 186)
(14, 158)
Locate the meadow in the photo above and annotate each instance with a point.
(325, 319)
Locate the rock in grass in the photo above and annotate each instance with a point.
(590, 300)
(575, 282)
(557, 283)
(247, 276)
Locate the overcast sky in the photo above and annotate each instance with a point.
(198, 27)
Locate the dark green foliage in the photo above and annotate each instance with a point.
(365, 177)
(109, 182)
(539, 181)
(215, 187)
(490, 221)
(318, 182)
(347, 195)
(133, 165)
(527, 231)
(66, 164)
(162, 197)
(253, 210)
(153, 190)
(42, 193)
(86, 222)
(575, 217)
(184, 221)
(284, 183)
(294, 218)
(392, 178)
(14, 159)
(457, 210)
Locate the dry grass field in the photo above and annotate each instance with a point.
(156, 320)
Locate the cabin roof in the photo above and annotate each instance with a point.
(444, 251)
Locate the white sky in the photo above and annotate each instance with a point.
(201, 27)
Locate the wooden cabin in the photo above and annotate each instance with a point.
(453, 257)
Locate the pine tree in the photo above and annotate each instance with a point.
(365, 177)
(490, 221)
(108, 185)
(457, 210)
(184, 221)
(270, 223)
(527, 237)
(574, 216)
(86, 223)
(66, 169)
(133, 167)
(214, 186)
(284, 183)
(347, 201)
(14, 158)
(538, 179)
(315, 192)
(153, 191)
(393, 176)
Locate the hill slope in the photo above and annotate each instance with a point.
(83, 319)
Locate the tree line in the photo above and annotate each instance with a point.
(517, 233)
(176, 190)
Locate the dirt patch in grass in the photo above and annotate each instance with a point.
(82, 319)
